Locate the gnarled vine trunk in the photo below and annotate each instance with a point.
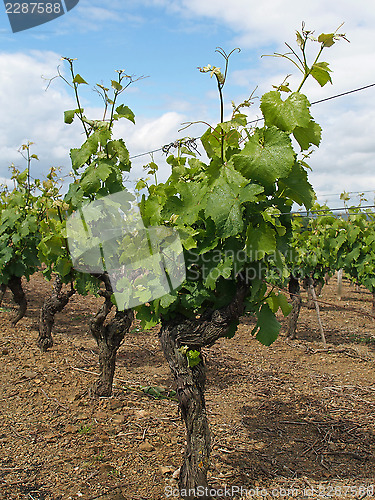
(15, 285)
(53, 304)
(3, 289)
(196, 333)
(295, 296)
(190, 392)
(109, 338)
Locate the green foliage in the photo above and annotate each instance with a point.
(158, 392)
(313, 243)
(232, 211)
(193, 358)
(267, 327)
(85, 429)
(319, 70)
(98, 167)
(23, 212)
(323, 241)
(355, 245)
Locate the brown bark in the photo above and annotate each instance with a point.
(306, 286)
(53, 304)
(318, 284)
(196, 333)
(109, 337)
(295, 296)
(190, 393)
(15, 285)
(3, 289)
(373, 303)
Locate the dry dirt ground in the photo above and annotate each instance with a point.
(288, 421)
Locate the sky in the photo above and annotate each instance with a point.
(165, 41)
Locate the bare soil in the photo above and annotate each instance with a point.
(293, 420)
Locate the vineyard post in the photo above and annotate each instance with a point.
(295, 297)
(313, 294)
(339, 284)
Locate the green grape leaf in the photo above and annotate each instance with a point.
(147, 317)
(79, 80)
(211, 141)
(231, 331)
(116, 85)
(74, 195)
(267, 327)
(103, 170)
(224, 209)
(89, 147)
(192, 200)
(167, 300)
(69, 115)
(118, 148)
(151, 210)
(225, 196)
(187, 237)
(5, 255)
(224, 269)
(297, 188)
(306, 136)
(80, 156)
(260, 241)
(327, 39)
(240, 119)
(125, 112)
(63, 267)
(320, 71)
(193, 358)
(90, 183)
(267, 156)
(279, 301)
(285, 115)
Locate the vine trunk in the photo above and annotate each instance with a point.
(176, 335)
(108, 337)
(15, 285)
(52, 305)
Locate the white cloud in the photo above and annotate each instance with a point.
(346, 157)
(272, 21)
(30, 113)
(34, 114)
(91, 16)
